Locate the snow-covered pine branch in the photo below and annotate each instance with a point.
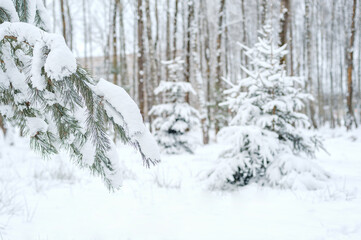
(267, 123)
(57, 103)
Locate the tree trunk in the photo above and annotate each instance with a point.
(70, 24)
(85, 34)
(115, 43)
(140, 57)
(264, 12)
(123, 55)
(218, 84)
(175, 24)
(332, 120)
(207, 58)
(285, 20)
(153, 74)
(187, 72)
(90, 38)
(350, 121)
(244, 37)
(309, 61)
(63, 20)
(168, 41)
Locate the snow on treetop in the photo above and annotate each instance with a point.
(174, 87)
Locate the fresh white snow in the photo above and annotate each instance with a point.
(54, 200)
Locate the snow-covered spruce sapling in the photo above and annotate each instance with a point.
(267, 120)
(57, 103)
(175, 120)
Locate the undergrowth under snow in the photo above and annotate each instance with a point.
(54, 200)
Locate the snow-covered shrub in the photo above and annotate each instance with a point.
(175, 120)
(267, 120)
(56, 102)
(295, 172)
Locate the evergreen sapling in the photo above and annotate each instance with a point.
(175, 120)
(267, 123)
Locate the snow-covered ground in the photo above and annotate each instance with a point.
(54, 200)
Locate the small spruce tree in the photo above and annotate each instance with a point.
(175, 120)
(56, 102)
(267, 119)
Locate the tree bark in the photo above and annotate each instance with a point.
(350, 121)
(140, 57)
(168, 47)
(285, 20)
(115, 43)
(309, 61)
(70, 24)
(264, 12)
(207, 57)
(63, 20)
(175, 27)
(85, 34)
(332, 120)
(187, 72)
(153, 74)
(218, 83)
(123, 55)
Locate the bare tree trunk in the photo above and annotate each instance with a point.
(168, 41)
(157, 46)
(218, 83)
(264, 12)
(153, 73)
(350, 121)
(332, 120)
(115, 43)
(123, 56)
(291, 25)
(309, 61)
(197, 51)
(285, 20)
(175, 27)
(207, 57)
(90, 39)
(70, 24)
(63, 20)
(54, 16)
(318, 68)
(140, 57)
(187, 72)
(285, 8)
(134, 89)
(85, 34)
(244, 33)
(106, 47)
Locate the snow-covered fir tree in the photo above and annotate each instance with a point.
(267, 121)
(56, 102)
(175, 120)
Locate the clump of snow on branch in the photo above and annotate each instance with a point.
(125, 112)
